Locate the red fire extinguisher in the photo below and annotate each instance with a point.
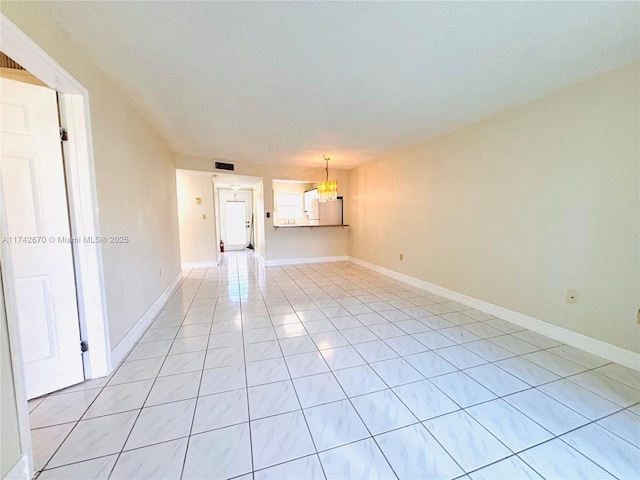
(221, 246)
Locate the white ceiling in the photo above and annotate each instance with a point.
(225, 180)
(286, 82)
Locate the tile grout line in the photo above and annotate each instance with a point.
(246, 376)
(371, 436)
(197, 397)
(154, 380)
(94, 400)
(299, 403)
(342, 288)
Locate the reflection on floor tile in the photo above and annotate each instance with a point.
(219, 454)
(359, 380)
(556, 459)
(619, 456)
(508, 425)
(466, 440)
(335, 424)
(45, 442)
(608, 388)
(396, 372)
(382, 411)
(307, 467)
(462, 389)
(581, 400)
(95, 437)
(96, 469)
(318, 389)
(136, 370)
(162, 460)
(624, 424)
(119, 398)
(64, 408)
(174, 388)
(358, 460)
(512, 468)
(414, 453)
(161, 423)
(279, 439)
(425, 400)
(326, 371)
(264, 401)
(547, 412)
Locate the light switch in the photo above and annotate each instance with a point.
(198, 200)
(204, 217)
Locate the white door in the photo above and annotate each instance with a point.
(35, 224)
(235, 218)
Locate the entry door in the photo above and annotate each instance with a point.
(36, 238)
(235, 218)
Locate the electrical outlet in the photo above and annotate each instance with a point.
(401, 256)
(572, 296)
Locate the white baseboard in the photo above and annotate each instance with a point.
(591, 345)
(190, 265)
(20, 471)
(126, 344)
(298, 261)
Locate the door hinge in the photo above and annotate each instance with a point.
(64, 135)
(84, 346)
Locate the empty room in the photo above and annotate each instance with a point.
(319, 240)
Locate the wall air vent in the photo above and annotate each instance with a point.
(6, 62)
(224, 166)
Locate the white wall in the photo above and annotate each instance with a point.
(517, 209)
(285, 244)
(197, 234)
(289, 187)
(10, 448)
(259, 218)
(135, 179)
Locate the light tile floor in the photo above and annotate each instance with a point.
(335, 371)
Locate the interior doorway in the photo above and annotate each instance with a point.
(239, 207)
(215, 207)
(82, 218)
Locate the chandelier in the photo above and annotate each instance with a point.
(327, 190)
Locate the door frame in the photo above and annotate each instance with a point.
(222, 190)
(83, 214)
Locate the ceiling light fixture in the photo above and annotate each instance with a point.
(327, 190)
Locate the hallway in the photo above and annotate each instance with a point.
(335, 371)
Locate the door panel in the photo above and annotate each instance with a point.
(35, 226)
(236, 223)
(39, 342)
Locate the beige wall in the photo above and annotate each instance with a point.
(10, 449)
(284, 244)
(519, 208)
(135, 179)
(197, 234)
